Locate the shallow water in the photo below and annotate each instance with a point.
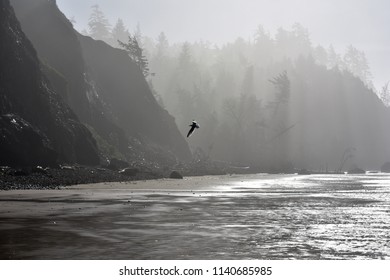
(296, 217)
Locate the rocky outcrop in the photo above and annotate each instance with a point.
(102, 85)
(37, 126)
(53, 37)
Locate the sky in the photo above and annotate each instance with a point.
(362, 23)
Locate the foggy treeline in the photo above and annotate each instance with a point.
(272, 101)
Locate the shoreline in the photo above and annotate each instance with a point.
(199, 181)
(92, 198)
(183, 219)
(74, 199)
(39, 178)
(55, 178)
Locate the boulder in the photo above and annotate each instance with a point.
(386, 167)
(303, 172)
(175, 175)
(356, 170)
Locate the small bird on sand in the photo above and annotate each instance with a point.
(193, 126)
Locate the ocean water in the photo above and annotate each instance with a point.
(264, 217)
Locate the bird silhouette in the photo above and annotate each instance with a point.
(193, 125)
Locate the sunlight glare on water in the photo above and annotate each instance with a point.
(269, 217)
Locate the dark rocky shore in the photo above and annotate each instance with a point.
(12, 178)
(52, 178)
(37, 177)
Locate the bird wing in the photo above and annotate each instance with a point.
(190, 132)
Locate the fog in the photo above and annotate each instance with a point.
(240, 98)
(340, 23)
(274, 85)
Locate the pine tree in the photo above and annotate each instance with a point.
(320, 55)
(99, 26)
(119, 32)
(334, 59)
(136, 54)
(356, 62)
(138, 34)
(162, 46)
(185, 56)
(282, 88)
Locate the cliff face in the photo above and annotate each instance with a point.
(120, 85)
(101, 84)
(57, 45)
(36, 126)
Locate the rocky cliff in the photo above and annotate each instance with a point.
(119, 83)
(37, 127)
(102, 85)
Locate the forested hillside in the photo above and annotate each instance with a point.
(273, 101)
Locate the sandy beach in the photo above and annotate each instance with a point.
(89, 197)
(211, 217)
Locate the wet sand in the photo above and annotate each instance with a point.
(211, 217)
(51, 202)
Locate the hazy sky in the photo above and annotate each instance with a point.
(362, 23)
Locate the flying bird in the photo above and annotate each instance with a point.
(193, 125)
